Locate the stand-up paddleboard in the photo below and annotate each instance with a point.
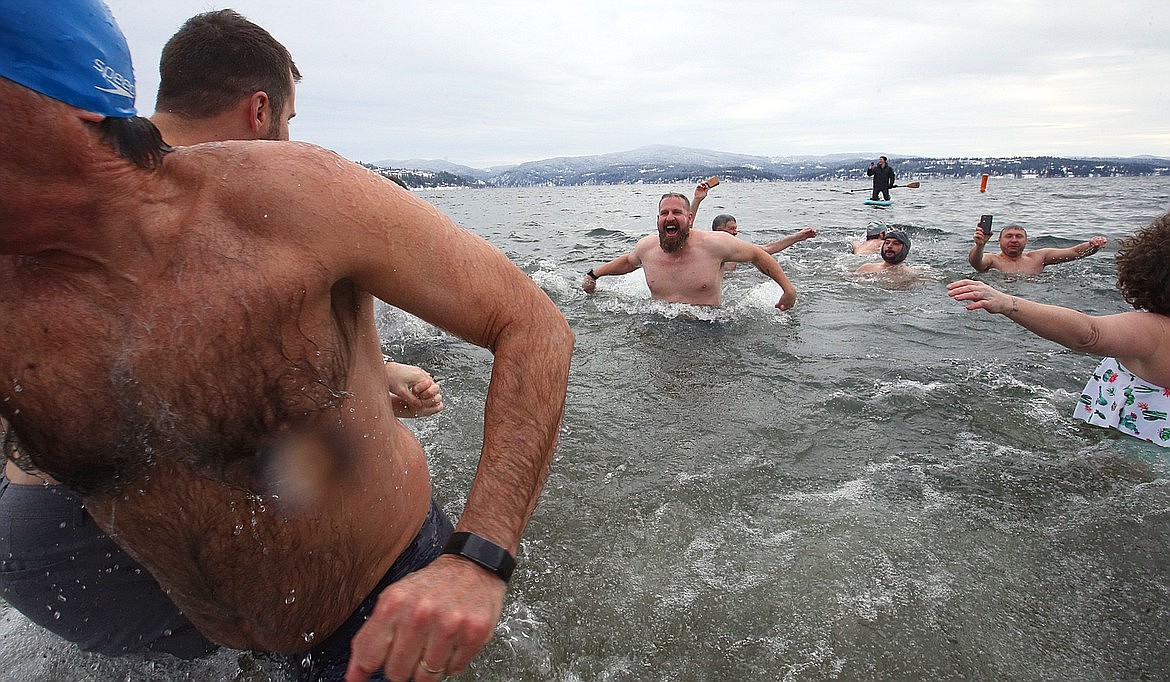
(875, 202)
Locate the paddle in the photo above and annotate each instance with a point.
(911, 185)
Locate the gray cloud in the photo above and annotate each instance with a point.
(491, 83)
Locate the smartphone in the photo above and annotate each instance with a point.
(712, 181)
(985, 224)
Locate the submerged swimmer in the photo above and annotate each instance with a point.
(727, 223)
(875, 233)
(684, 266)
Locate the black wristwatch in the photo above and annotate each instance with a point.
(483, 552)
(591, 275)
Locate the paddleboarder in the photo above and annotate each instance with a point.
(883, 178)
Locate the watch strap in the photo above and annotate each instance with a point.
(483, 552)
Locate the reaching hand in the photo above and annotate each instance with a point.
(981, 295)
(981, 237)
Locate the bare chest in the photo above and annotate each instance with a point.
(690, 277)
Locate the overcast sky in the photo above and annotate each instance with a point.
(492, 83)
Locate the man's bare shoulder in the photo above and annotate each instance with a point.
(273, 157)
(268, 171)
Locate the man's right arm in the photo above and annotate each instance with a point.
(976, 257)
(621, 265)
(405, 252)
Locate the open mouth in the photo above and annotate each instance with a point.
(671, 230)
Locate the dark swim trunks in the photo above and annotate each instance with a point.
(63, 573)
(327, 662)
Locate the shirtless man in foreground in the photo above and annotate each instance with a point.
(685, 266)
(1013, 258)
(189, 344)
(208, 69)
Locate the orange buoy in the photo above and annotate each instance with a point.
(983, 183)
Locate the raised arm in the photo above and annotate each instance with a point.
(700, 194)
(782, 243)
(976, 257)
(1071, 253)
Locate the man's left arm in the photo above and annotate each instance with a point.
(743, 252)
(1071, 253)
(415, 258)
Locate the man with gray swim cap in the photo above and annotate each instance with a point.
(875, 233)
(190, 346)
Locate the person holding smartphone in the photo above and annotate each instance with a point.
(1128, 389)
(883, 178)
(1013, 257)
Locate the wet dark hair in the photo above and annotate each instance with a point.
(218, 58)
(135, 139)
(1143, 267)
(721, 220)
(677, 196)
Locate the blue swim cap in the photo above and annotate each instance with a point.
(70, 50)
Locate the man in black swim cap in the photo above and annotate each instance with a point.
(895, 249)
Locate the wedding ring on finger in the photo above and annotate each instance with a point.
(423, 664)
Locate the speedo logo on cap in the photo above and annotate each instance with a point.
(119, 84)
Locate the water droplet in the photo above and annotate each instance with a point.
(291, 597)
(309, 637)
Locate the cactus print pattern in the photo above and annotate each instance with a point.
(1117, 398)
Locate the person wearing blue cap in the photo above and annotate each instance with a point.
(209, 69)
(190, 346)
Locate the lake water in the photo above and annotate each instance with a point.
(876, 484)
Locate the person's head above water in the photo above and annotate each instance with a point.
(725, 222)
(218, 59)
(895, 247)
(875, 230)
(674, 221)
(69, 50)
